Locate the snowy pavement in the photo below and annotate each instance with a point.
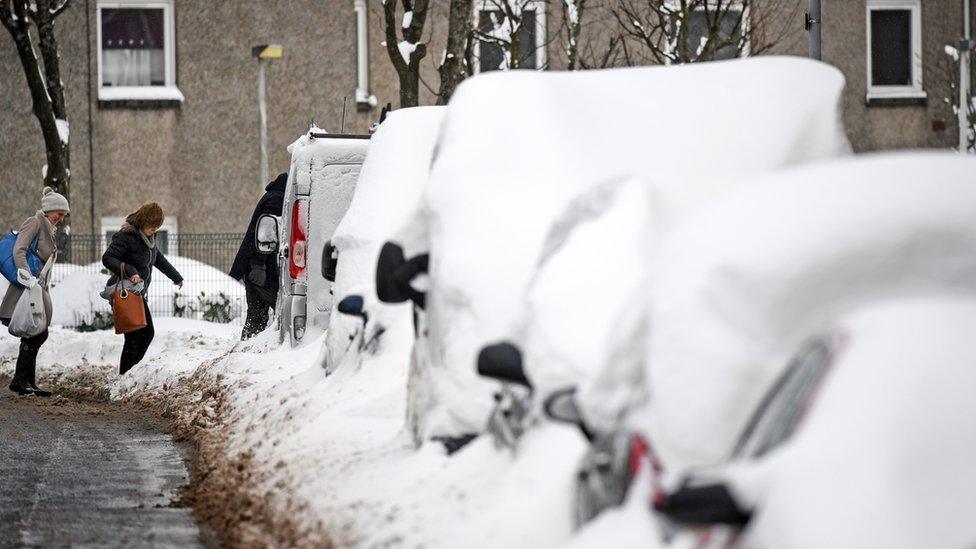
(85, 474)
(293, 456)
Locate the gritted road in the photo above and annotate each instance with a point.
(78, 474)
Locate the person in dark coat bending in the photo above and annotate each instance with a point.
(259, 272)
(135, 247)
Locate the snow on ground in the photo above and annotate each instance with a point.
(333, 449)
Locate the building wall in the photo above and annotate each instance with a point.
(892, 127)
(200, 159)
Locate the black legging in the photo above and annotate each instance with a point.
(26, 371)
(137, 343)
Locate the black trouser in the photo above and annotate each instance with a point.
(26, 371)
(137, 343)
(259, 301)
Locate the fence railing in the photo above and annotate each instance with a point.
(203, 260)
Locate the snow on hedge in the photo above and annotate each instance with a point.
(75, 289)
(517, 146)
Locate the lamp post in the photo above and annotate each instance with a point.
(965, 49)
(813, 28)
(264, 52)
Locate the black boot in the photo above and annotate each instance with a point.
(32, 383)
(20, 388)
(26, 376)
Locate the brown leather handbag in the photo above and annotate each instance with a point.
(128, 309)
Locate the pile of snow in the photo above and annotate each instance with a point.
(333, 449)
(517, 147)
(180, 346)
(884, 456)
(390, 186)
(746, 278)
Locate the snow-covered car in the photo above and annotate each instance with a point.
(542, 139)
(321, 181)
(865, 441)
(748, 279)
(392, 180)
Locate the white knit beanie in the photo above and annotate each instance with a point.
(51, 201)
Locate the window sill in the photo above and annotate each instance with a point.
(140, 97)
(897, 99)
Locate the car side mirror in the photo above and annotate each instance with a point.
(394, 273)
(502, 361)
(330, 261)
(702, 504)
(353, 305)
(561, 406)
(266, 234)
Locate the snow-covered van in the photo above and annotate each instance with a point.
(322, 178)
(488, 208)
(393, 180)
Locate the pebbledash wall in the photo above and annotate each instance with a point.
(196, 152)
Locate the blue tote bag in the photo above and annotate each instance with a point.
(7, 266)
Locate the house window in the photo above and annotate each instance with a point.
(136, 59)
(728, 34)
(166, 236)
(491, 22)
(894, 40)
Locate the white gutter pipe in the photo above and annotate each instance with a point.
(364, 100)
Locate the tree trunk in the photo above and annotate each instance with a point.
(46, 88)
(452, 70)
(58, 178)
(408, 70)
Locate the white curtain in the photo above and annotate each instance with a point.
(135, 67)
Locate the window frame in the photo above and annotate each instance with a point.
(915, 89)
(167, 92)
(541, 53)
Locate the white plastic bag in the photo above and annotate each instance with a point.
(29, 318)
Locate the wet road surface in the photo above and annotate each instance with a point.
(88, 475)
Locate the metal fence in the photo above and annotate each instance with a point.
(203, 260)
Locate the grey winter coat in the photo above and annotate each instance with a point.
(33, 226)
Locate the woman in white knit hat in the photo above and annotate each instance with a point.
(39, 228)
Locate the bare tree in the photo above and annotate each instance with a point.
(454, 68)
(406, 54)
(686, 31)
(590, 40)
(31, 22)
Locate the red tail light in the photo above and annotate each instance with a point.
(641, 451)
(299, 238)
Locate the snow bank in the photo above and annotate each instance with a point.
(389, 188)
(180, 346)
(744, 279)
(516, 147)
